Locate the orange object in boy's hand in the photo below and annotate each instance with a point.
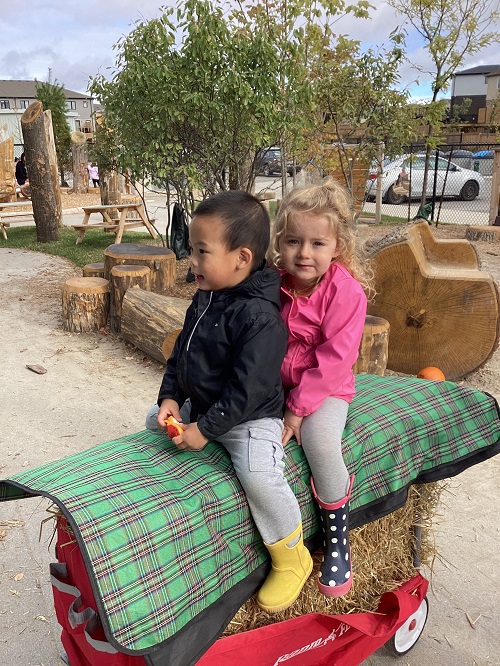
(174, 428)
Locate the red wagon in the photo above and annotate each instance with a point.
(156, 549)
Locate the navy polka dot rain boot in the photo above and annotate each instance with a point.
(335, 578)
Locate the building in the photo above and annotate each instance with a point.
(480, 85)
(16, 96)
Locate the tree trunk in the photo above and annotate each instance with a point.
(7, 170)
(80, 162)
(109, 183)
(152, 322)
(123, 278)
(38, 164)
(54, 169)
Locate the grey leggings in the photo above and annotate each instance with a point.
(257, 455)
(321, 434)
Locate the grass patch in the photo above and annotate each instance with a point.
(88, 252)
(385, 219)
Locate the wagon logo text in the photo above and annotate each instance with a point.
(320, 642)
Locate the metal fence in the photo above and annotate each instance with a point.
(458, 187)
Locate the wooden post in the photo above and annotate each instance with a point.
(93, 270)
(109, 183)
(54, 169)
(374, 347)
(38, 164)
(85, 304)
(160, 260)
(122, 278)
(495, 187)
(152, 322)
(7, 170)
(80, 162)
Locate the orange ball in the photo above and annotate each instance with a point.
(431, 373)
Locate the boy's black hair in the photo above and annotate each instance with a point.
(246, 221)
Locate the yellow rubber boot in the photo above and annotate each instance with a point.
(291, 566)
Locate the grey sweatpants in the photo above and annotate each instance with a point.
(321, 434)
(257, 453)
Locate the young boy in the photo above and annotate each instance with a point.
(227, 362)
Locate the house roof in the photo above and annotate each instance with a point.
(480, 69)
(27, 89)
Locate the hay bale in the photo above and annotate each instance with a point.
(382, 557)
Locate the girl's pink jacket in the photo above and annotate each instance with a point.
(324, 334)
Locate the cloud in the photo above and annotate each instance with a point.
(76, 40)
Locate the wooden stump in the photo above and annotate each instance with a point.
(79, 154)
(93, 270)
(160, 260)
(152, 322)
(489, 234)
(85, 304)
(7, 170)
(122, 278)
(374, 347)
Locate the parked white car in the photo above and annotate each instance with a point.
(455, 180)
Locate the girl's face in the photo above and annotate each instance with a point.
(307, 248)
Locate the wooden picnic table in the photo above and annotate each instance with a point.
(110, 224)
(9, 215)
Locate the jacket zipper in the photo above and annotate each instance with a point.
(198, 321)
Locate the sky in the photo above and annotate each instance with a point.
(75, 40)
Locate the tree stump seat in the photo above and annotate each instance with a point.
(124, 277)
(488, 234)
(440, 314)
(374, 347)
(93, 270)
(85, 304)
(160, 260)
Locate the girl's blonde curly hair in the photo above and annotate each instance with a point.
(330, 199)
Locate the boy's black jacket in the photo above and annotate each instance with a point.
(227, 358)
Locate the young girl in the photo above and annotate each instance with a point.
(324, 307)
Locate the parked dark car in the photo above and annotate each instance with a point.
(268, 162)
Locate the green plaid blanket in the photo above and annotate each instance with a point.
(165, 533)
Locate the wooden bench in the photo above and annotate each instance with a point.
(109, 224)
(444, 253)
(8, 215)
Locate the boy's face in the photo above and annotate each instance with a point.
(214, 266)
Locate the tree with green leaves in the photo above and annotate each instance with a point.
(200, 90)
(359, 109)
(52, 96)
(451, 30)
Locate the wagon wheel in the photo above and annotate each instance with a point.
(409, 633)
(440, 315)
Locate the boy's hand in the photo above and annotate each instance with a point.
(168, 408)
(191, 439)
(292, 424)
